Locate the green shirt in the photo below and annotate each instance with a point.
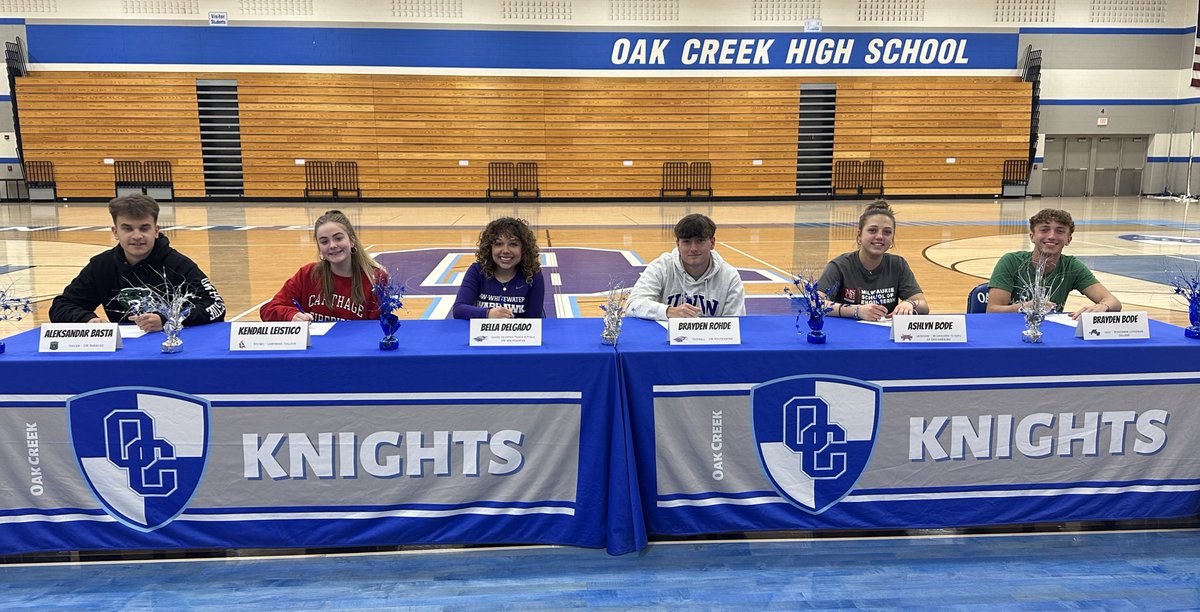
(1015, 270)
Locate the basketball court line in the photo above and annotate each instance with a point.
(749, 256)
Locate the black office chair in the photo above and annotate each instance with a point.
(977, 300)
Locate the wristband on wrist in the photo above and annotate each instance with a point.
(856, 315)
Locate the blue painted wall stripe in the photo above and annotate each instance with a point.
(432, 48)
(1178, 159)
(1116, 102)
(1110, 31)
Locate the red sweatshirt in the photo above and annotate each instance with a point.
(305, 289)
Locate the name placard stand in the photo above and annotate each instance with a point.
(505, 332)
(79, 338)
(711, 330)
(1113, 325)
(929, 328)
(280, 336)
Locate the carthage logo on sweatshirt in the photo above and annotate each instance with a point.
(707, 307)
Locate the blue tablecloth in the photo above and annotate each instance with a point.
(339, 445)
(575, 443)
(860, 432)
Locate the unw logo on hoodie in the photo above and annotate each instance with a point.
(707, 308)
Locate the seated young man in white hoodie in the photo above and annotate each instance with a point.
(690, 281)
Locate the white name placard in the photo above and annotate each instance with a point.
(281, 336)
(79, 338)
(929, 328)
(1113, 325)
(506, 332)
(715, 330)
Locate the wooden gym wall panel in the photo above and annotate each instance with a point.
(916, 126)
(753, 119)
(427, 124)
(315, 117)
(77, 120)
(408, 133)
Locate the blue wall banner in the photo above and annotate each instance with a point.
(517, 49)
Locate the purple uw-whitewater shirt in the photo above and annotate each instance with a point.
(478, 294)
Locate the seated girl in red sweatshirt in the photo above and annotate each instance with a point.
(336, 288)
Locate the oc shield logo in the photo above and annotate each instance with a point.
(141, 450)
(814, 435)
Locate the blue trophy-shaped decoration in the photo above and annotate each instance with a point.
(1189, 288)
(808, 302)
(391, 299)
(12, 308)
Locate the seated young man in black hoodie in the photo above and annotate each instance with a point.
(142, 258)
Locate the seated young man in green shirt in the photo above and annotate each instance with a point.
(1050, 230)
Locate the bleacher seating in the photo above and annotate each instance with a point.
(1015, 180)
(334, 180)
(686, 180)
(700, 179)
(858, 178)
(871, 178)
(152, 178)
(527, 180)
(513, 180)
(675, 180)
(39, 179)
(409, 133)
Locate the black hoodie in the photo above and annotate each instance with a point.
(109, 272)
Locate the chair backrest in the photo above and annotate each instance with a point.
(977, 300)
(675, 176)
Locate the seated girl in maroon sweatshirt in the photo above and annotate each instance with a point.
(336, 288)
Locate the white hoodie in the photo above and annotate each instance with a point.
(717, 293)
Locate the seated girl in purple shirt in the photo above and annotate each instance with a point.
(506, 279)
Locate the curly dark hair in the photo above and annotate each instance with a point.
(1046, 215)
(517, 228)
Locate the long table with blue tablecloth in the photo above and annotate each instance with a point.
(339, 445)
(577, 443)
(864, 433)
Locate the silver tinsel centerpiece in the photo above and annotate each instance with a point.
(1033, 295)
(614, 313)
(13, 308)
(173, 302)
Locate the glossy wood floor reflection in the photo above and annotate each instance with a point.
(1155, 570)
(250, 249)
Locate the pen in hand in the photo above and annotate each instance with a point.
(300, 316)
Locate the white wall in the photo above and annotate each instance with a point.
(608, 14)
